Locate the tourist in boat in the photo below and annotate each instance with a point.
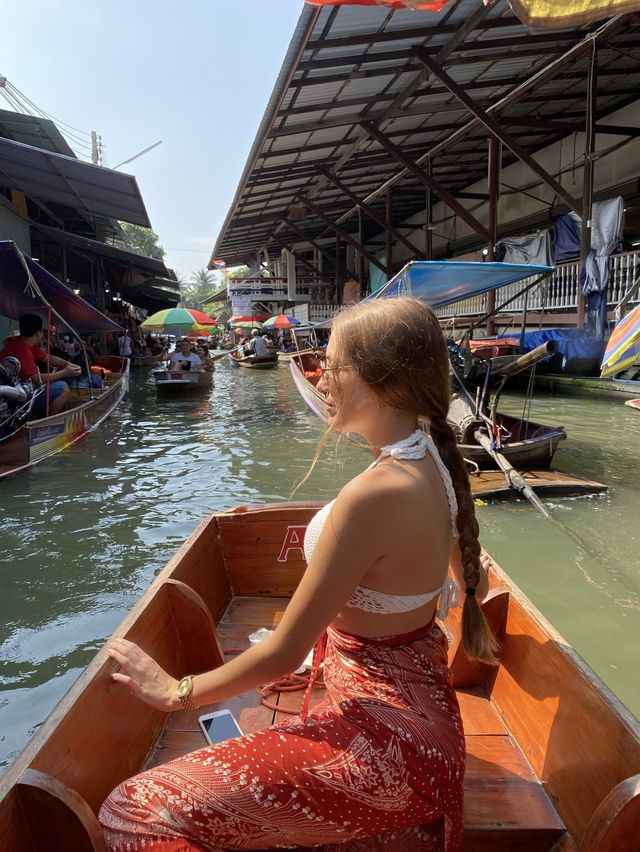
(27, 349)
(184, 358)
(257, 344)
(207, 361)
(380, 761)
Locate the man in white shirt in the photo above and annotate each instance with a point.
(183, 358)
(258, 345)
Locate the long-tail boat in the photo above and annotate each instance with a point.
(254, 362)
(139, 361)
(553, 757)
(26, 287)
(176, 381)
(529, 445)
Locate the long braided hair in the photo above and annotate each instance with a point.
(398, 349)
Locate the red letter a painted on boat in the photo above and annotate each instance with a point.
(293, 540)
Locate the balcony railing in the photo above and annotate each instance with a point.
(557, 293)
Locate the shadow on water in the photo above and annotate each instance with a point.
(86, 531)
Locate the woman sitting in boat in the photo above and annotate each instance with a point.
(380, 761)
(207, 361)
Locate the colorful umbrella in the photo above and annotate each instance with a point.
(281, 321)
(250, 318)
(179, 319)
(246, 324)
(623, 347)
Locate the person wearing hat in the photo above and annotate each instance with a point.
(257, 345)
(26, 348)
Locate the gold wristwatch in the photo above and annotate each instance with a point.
(184, 690)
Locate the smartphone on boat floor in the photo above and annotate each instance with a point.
(219, 726)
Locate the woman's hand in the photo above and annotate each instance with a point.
(143, 676)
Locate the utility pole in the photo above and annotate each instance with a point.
(94, 148)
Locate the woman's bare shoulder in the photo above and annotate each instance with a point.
(372, 490)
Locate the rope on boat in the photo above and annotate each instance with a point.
(288, 683)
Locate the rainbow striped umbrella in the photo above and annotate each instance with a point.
(179, 319)
(281, 321)
(624, 344)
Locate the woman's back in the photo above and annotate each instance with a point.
(411, 523)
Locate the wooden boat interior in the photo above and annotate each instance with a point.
(553, 757)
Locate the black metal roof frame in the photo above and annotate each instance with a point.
(347, 65)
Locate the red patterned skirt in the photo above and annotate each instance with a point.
(378, 763)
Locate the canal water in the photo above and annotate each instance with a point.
(84, 533)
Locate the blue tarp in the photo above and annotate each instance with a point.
(442, 282)
(574, 344)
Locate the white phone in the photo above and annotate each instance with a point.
(219, 726)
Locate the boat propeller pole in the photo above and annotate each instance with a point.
(513, 477)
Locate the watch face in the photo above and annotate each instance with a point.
(184, 687)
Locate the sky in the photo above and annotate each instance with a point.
(196, 74)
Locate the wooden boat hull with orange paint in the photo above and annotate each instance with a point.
(552, 756)
(39, 439)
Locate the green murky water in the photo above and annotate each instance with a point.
(84, 532)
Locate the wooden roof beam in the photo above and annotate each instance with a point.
(527, 38)
(411, 166)
(572, 127)
(401, 35)
(497, 130)
(323, 251)
(273, 236)
(371, 212)
(344, 235)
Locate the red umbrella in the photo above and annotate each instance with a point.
(258, 317)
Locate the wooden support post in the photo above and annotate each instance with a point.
(272, 235)
(389, 243)
(335, 260)
(493, 180)
(370, 211)
(418, 172)
(344, 235)
(428, 218)
(361, 258)
(587, 176)
(338, 291)
(496, 129)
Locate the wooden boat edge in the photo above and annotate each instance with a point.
(101, 666)
(119, 388)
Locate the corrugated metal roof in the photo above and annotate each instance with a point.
(93, 190)
(37, 132)
(347, 64)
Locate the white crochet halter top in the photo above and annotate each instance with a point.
(416, 446)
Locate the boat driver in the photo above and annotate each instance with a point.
(258, 345)
(27, 349)
(183, 358)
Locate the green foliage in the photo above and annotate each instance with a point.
(142, 240)
(203, 284)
